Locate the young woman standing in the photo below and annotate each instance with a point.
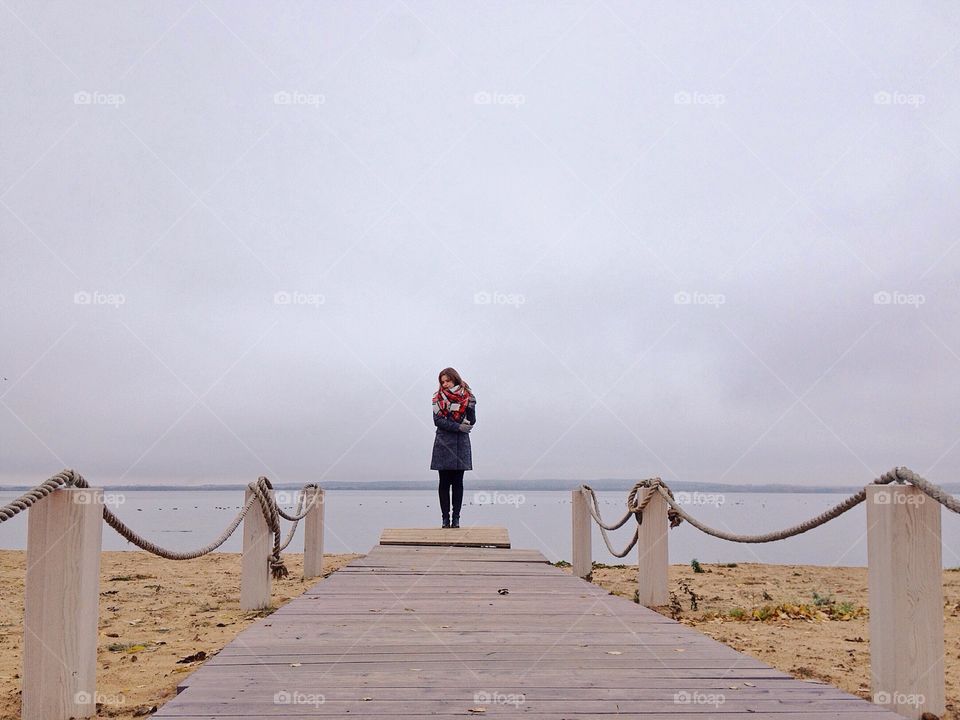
(454, 414)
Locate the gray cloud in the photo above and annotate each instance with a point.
(698, 242)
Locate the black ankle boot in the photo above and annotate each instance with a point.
(446, 521)
(456, 521)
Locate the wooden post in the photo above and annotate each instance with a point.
(582, 560)
(255, 566)
(61, 605)
(905, 574)
(313, 534)
(652, 558)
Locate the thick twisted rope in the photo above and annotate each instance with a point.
(677, 514)
(300, 512)
(261, 492)
(592, 506)
(635, 508)
(897, 475)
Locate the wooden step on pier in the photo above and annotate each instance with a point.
(477, 536)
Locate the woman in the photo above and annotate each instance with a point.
(454, 414)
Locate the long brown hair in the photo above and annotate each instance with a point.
(455, 376)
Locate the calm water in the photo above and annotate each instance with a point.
(535, 519)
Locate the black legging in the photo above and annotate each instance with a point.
(451, 479)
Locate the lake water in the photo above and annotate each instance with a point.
(183, 520)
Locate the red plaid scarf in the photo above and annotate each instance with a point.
(451, 403)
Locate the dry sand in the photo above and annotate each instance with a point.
(153, 614)
(827, 639)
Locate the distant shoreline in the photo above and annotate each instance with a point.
(603, 485)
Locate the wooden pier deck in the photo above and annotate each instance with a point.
(450, 632)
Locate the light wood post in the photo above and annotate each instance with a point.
(61, 604)
(255, 566)
(313, 534)
(905, 574)
(652, 558)
(582, 560)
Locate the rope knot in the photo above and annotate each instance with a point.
(277, 569)
(650, 486)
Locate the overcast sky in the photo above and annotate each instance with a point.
(700, 241)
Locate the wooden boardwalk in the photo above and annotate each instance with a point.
(452, 632)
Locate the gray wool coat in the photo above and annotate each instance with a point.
(451, 448)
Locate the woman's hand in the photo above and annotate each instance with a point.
(465, 427)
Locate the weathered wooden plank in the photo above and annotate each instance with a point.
(413, 631)
(476, 536)
(372, 713)
(321, 706)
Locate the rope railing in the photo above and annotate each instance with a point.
(261, 492)
(68, 535)
(677, 514)
(635, 508)
(904, 570)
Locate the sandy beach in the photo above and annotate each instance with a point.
(810, 621)
(158, 616)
